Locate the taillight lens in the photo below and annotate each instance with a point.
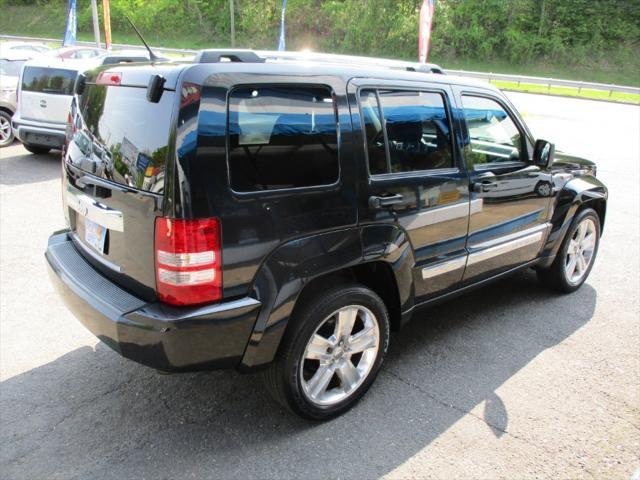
(188, 263)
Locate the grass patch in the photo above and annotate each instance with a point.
(569, 92)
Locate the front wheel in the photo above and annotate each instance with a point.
(331, 353)
(574, 261)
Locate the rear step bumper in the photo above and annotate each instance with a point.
(39, 134)
(153, 334)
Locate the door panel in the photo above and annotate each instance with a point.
(511, 195)
(411, 175)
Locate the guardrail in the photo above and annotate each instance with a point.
(548, 82)
(519, 79)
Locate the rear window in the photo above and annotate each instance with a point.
(282, 137)
(56, 81)
(10, 68)
(128, 136)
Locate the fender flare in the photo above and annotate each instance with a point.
(575, 194)
(289, 268)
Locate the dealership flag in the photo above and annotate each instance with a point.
(70, 28)
(424, 32)
(281, 41)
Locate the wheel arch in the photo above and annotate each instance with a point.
(380, 259)
(576, 195)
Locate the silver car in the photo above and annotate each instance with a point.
(10, 66)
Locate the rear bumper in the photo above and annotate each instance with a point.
(40, 134)
(153, 334)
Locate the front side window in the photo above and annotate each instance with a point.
(493, 135)
(282, 137)
(418, 136)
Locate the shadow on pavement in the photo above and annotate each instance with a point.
(91, 413)
(18, 167)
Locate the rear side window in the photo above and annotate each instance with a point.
(126, 136)
(56, 81)
(282, 137)
(414, 126)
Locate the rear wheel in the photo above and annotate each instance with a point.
(331, 353)
(36, 149)
(574, 261)
(6, 133)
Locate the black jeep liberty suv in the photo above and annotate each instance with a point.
(277, 212)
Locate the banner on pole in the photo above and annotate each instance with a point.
(424, 32)
(281, 42)
(71, 26)
(107, 23)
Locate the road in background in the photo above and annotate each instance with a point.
(511, 381)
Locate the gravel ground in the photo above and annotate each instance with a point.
(511, 381)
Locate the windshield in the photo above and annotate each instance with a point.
(10, 68)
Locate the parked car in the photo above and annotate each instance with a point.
(10, 66)
(28, 47)
(125, 56)
(261, 213)
(44, 96)
(77, 53)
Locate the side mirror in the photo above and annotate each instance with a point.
(543, 153)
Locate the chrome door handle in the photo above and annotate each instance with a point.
(377, 202)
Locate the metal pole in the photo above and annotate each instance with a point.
(96, 22)
(233, 22)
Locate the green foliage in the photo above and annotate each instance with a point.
(601, 35)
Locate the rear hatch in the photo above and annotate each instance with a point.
(115, 166)
(45, 93)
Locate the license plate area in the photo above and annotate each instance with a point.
(95, 235)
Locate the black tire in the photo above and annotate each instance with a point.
(4, 123)
(36, 149)
(282, 378)
(543, 189)
(555, 276)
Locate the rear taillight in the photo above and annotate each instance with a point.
(188, 263)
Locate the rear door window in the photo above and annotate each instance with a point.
(55, 81)
(281, 137)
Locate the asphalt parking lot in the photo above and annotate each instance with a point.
(511, 381)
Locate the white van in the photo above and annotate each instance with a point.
(44, 95)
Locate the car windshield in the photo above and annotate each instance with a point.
(10, 67)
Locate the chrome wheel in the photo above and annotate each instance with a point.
(580, 251)
(339, 355)
(6, 135)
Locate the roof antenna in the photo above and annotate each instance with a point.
(152, 56)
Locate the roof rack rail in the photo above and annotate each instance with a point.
(218, 55)
(351, 60)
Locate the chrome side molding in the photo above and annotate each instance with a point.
(94, 210)
(444, 267)
(508, 243)
(487, 250)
